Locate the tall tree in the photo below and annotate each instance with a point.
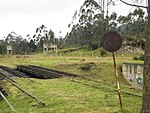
(14, 40)
(2, 47)
(19, 45)
(146, 76)
(43, 36)
(89, 24)
(32, 46)
(134, 27)
(146, 87)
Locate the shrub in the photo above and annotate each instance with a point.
(139, 58)
(135, 58)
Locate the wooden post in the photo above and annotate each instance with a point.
(117, 82)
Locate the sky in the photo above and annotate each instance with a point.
(24, 16)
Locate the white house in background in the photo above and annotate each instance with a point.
(9, 50)
(47, 47)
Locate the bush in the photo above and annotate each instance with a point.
(103, 53)
(139, 58)
(135, 58)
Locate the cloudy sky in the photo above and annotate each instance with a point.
(24, 16)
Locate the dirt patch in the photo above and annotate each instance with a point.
(87, 66)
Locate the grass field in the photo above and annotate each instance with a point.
(92, 94)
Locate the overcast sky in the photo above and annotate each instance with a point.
(24, 16)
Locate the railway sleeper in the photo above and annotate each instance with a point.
(14, 72)
(56, 71)
(37, 73)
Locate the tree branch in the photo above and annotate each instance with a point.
(133, 4)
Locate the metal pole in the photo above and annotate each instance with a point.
(7, 101)
(117, 82)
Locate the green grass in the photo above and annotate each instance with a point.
(65, 96)
(91, 94)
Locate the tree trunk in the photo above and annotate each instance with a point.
(146, 85)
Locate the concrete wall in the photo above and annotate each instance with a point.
(9, 50)
(46, 48)
(133, 73)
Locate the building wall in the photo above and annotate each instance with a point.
(133, 73)
(9, 50)
(49, 47)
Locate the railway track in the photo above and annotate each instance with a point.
(29, 72)
(12, 72)
(46, 73)
(32, 71)
(63, 74)
(43, 73)
(8, 74)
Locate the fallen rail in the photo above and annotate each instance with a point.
(34, 97)
(109, 89)
(6, 77)
(7, 101)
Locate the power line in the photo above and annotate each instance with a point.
(116, 0)
(136, 5)
(118, 4)
(132, 7)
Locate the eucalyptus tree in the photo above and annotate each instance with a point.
(18, 43)
(133, 27)
(43, 36)
(89, 24)
(31, 44)
(2, 47)
(134, 24)
(146, 85)
(82, 32)
(112, 21)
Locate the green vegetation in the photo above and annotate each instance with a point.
(88, 26)
(93, 92)
(91, 21)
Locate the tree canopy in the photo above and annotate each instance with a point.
(89, 24)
